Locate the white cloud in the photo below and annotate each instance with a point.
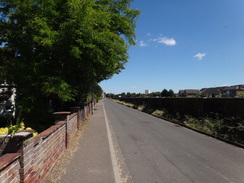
(142, 43)
(166, 41)
(133, 87)
(148, 34)
(225, 85)
(199, 56)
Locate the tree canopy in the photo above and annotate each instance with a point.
(61, 48)
(166, 93)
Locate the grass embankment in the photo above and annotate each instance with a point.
(228, 128)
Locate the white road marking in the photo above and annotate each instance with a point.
(112, 151)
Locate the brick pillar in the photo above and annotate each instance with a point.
(66, 132)
(85, 112)
(61, 116)
(82, 113)
(26, 161)
(78, 111)
(90, 107)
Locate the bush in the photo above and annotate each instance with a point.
(12, 129)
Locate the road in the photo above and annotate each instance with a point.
(157, 151)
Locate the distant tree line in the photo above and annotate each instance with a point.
(163, 93)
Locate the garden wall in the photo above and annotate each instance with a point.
(39, 154)
(10, 166)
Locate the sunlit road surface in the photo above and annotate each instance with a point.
(156, 151)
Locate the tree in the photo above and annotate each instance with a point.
(199, 94)
(97, 90)
(155, 94)
(164, 93)
(123, 95)
(171, 93)
(62, 47)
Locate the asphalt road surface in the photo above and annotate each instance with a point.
(157, 151)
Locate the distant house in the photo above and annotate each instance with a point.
(227, 91)
(233, 91)
(210, 92)
(147, 92)
(188, 93)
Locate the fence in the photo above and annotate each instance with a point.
(37, 155)
(197, 107)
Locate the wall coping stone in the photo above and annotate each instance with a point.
(61, 115)
(22, 133)
(48, 131)
(72, 115)
(7, 159)
(12, 144)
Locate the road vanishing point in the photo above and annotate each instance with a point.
(122, 145)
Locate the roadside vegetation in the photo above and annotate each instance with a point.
(55, 53)
(228, 128)
(12, 129)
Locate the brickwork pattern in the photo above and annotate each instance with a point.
(72, 126)
(39, 154)
(10, 168)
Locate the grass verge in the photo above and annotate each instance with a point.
(226, 128)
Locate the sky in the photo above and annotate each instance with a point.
(190, 44)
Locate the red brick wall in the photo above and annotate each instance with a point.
(72, 126)
(39, 154)
(46, 148)
(9, 168)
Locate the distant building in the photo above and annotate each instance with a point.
(211, 92)
(226, 91)
(147, 92)
(188, 93)
(234, 91)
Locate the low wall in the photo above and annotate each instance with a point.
(39, 154)
(10, 167)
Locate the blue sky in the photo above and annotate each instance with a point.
(184, 44)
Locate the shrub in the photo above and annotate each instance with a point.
(12, 129)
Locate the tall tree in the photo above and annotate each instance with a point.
(171, 93)
(62, 47)
(164, 93)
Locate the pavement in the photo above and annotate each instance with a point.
(92, 162)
